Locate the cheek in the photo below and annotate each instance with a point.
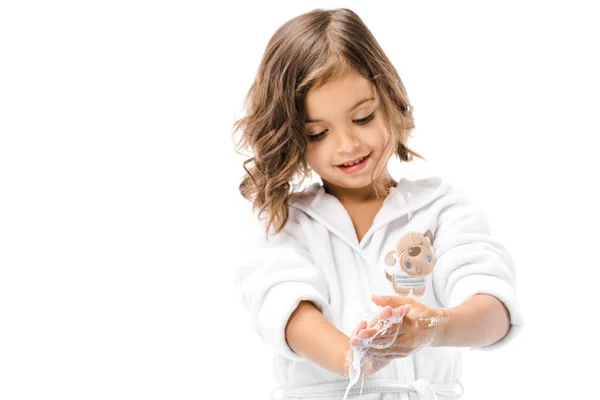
(311, 157)
(384, 134)
(316, 156)
(377, 137)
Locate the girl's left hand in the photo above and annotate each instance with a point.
(422, 326)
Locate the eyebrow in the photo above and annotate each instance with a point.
(351, 108)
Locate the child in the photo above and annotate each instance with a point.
(327, 99)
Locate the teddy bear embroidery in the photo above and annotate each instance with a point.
(409, 264)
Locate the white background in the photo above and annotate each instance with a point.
(120, 217)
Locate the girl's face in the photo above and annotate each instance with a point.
(347, 131)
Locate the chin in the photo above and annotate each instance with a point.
(350, 183)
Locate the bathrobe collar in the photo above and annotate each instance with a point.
(404, 199)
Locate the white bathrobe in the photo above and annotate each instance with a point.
(318, 258)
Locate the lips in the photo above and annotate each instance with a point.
(355, 165)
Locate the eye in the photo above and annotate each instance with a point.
(365, 120)
(316, 137)
(362, 121)
(429, 258)
(408, 265)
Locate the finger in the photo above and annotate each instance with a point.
(390, 357)
(387, 356)
(406, 324)
(393, 333)
(370, 334)
(373, 322)
(385, 313)
(367, 333)
(376, 328)
(387, 334)
(390, 341)
(388, 331)
(354, 332)
(401, 311)
(361, 325)
(394, 301)
(396, 351)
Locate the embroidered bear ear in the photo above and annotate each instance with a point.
(429, 236)
(389, 259)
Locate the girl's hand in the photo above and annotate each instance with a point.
(422, 326)
(370, 362)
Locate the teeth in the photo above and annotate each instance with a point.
(353, 163)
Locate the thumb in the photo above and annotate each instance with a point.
(393, 301)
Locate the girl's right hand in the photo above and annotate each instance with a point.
(369, 364)
(371, 361)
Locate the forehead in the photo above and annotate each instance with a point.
(338, 95)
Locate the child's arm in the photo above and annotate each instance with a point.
(474, 277)
(310, 335)
(480, 321)
(287, 298)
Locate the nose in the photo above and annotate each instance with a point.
(414, 251)
(347, 142)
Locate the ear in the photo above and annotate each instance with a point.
(429, 236)
(389, 258)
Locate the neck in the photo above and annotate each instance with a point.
(358, 195)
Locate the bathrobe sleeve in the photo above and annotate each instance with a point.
(470, 261)
(273, 278)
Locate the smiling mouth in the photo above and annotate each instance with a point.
(352, 162)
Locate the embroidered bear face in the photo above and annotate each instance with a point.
(414, 254)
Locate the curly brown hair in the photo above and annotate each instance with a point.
(307, 52)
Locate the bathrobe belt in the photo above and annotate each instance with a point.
(420, 389)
